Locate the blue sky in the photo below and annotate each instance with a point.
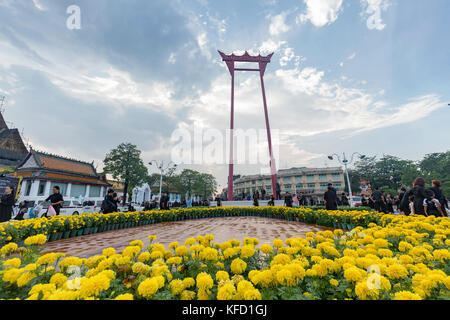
(363, 75)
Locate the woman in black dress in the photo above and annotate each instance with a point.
(6, 204)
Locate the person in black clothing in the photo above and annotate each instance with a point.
(288, 200)
(431, 205)
(389, 204)
(330, 198)
(6, 204)
(263, 194)
(23, 208)
(56, 200)
(419, 195)
(344, 200)
(255, 198)
(109, 205)
(364, 201)
(164, 202)
(401, 194)
(271, 201)
(302, 201)
(219, 201)
(278, 191)
(377, 198)
(437, 189)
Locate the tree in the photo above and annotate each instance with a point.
(124, 163)
(193, 182)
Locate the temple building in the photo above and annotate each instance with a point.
(76, 179)
(12, 148)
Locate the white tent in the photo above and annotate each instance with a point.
(141, 193)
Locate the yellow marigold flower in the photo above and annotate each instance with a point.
(152, 237)
(48, 258)
(176, 286)
(281, 259)
(42, 288)
(277, 243)
(406, 295)
(334, 282)
(132, 251)
(385, 253)
(188, 282)
(8, 248)
(226, 292)
(285, 278)
(109, 252)
(181, 251)
(140, 267)
(15, 262)
(238, 266)
(266, 248)
(144, 256)
(161, 280)
(247, 251)
(364, 292)
(210, 254)
(203, 294)
(174, 260)
(187, 295)
(148, 288)
(354, 274)
(24, 278)
(58, 279)
(125, 296)
(188, 242)
(396, 271)
(380, 243)
(204, 281)
(138, 243)
(173, 245)
(222, 275)
(39, 239)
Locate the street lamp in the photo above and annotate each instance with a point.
(162, 169)
(345, 162)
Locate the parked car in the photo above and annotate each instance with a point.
(356, 202)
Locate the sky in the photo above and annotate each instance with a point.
(368, 76)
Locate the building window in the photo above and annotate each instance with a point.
(323, 186)
(310, 178)
(94, 191)
(336, 176)
(287, 187)
(28, 188)
(337, 185)
(41, 189)
(299, 186)
(298, 178)
(322, 177)
(62, 187)
(311, 185)
(78, 190)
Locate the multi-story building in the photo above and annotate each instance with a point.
(312, 182)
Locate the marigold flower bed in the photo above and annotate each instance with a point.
(385, 257)
(58, 227)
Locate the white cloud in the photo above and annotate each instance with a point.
(320, 12)
(38, 5)
(270, 46)
(352, 56)
(278, 24)
(372, 11)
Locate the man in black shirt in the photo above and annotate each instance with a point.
(330, 198)
(56, 200)
(377, 198)
(288, 200)
(302, 201)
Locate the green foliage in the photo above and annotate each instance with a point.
(390, 173)
(124, 163)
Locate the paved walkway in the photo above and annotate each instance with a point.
(223, 229)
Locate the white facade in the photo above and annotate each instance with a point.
(39, 190)
(141, 194)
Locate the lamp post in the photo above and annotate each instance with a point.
(345, 162)
(162, 169)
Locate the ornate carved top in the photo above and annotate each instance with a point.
(246, 57)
